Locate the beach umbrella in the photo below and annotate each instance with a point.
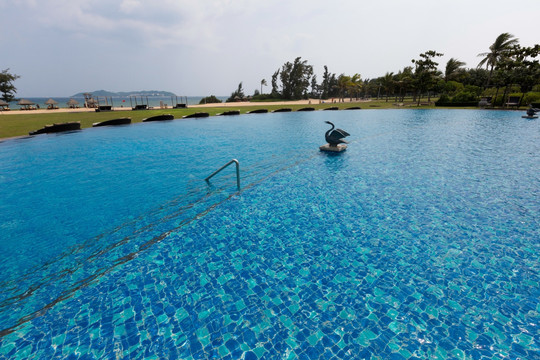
(25, 102)
(51, 102)
(72, 102)
(3, 103)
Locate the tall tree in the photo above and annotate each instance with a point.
(425, 73)
(7, 89)
(315, 93)
(329, 86)
(498, 51)
(521, 67)
(295, 79)
(325, 89)
(263, 83)
(275, 89)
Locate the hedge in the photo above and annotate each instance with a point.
(457, 104)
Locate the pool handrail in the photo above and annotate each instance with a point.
(223, 167)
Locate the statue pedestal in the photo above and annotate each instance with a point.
(338, 148)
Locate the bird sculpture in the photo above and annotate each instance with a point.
(335, 137)
(531, 111)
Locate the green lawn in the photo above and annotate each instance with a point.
(12, 125)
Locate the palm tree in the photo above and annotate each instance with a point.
(453, 68)
(498, 51)
(263, 83)
(404, 81)
(343, 85)
(366, 85)
(387, 82)
(355, 84)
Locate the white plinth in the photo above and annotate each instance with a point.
(338, 148)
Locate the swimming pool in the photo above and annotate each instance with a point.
(420, 241)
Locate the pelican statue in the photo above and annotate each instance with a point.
(335, 137)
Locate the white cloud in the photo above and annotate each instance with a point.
(245, 40)
(205, 24)
(130, 6)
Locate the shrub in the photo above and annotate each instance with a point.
(464, 96)
(531, 97)
(444, 99)
(452, 87)
(263, 97)
(462, 99)
(209, 100)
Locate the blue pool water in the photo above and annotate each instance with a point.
(420, 241)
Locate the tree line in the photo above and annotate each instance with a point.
(506, 68)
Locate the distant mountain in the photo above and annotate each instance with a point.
(126, 93)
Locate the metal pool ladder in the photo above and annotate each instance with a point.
(223, 167)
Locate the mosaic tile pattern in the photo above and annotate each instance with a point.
(62, 245)
(416, 244)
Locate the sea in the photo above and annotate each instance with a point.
(119, 101)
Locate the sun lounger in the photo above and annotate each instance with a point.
(513, 101)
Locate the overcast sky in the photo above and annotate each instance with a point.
(206, 47)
